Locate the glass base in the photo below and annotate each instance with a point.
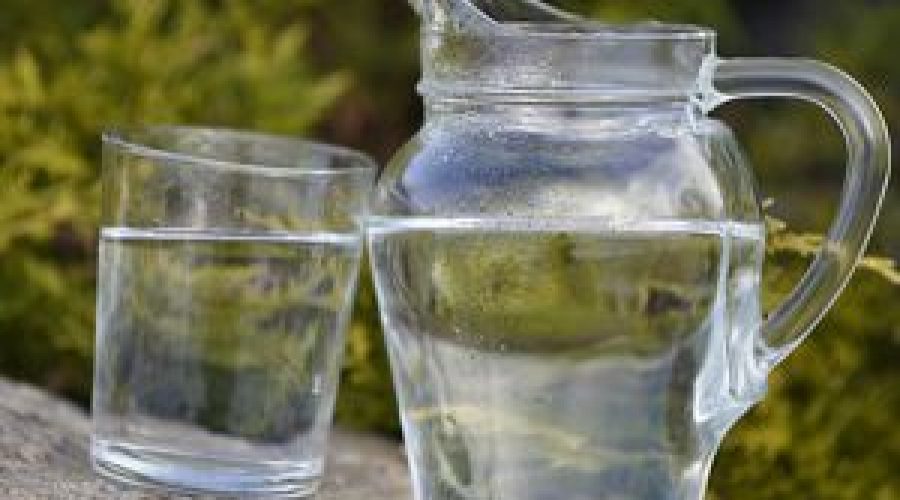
(156, 469)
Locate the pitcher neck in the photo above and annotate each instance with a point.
(577, 62)
(544, 114)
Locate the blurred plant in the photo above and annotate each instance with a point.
(825, 429)
(782, 240)
(718, 13)
(139, 62)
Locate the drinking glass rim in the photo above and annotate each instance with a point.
(127, 139)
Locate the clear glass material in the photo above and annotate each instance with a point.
(568, 255)
(228, 264)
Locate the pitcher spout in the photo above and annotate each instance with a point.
(477, 15)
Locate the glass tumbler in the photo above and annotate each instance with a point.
(227, 269)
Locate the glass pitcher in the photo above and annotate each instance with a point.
(568, 254)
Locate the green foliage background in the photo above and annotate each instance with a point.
(344, 72)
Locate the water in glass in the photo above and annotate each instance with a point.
(223, 344)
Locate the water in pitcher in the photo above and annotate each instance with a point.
(220, 344)
(576, 359)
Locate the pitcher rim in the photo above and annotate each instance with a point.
(589, 31)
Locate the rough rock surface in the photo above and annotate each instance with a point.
(44, 455)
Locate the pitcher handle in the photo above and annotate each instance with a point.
(868, 171)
